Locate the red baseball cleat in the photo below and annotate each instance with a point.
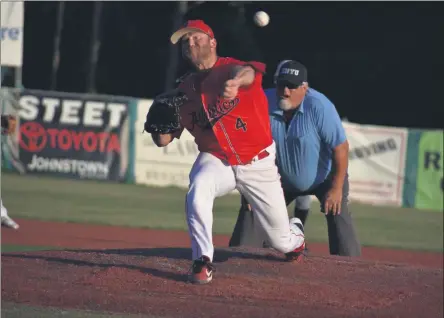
(202, 271)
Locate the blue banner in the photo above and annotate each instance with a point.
(72, 135)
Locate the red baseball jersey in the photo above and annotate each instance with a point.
(236, 130)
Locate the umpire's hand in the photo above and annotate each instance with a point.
(333, 201)
(245, 204)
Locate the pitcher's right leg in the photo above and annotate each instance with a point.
(209, 178)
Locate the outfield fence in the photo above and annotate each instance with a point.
(100, 137)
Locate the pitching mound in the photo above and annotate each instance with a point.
(248, 283)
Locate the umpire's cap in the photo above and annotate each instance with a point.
(290, 71)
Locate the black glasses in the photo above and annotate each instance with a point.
(287, 84)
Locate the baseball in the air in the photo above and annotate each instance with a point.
(261, 18)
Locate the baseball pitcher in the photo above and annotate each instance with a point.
(222, 104)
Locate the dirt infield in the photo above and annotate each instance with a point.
(144, 271)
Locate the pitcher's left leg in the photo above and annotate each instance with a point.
(260, 184)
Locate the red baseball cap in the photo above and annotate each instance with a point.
(191, 26)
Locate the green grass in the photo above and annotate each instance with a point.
(6, 248)
(139, 206)
(13, 310)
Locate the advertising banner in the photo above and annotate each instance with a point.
(376, 163)
(11, 33)
(72, 135)
(429, 181)
(166, 166)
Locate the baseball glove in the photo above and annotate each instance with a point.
(9, 124)
(164, 114)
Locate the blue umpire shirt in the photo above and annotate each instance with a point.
(305, 152)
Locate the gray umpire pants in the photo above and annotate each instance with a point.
(342, 236)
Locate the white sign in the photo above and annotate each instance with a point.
(376, 163)
(11, 33)
(166, 166)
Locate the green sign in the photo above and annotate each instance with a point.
(429, 182)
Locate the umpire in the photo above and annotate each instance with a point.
(312, 153)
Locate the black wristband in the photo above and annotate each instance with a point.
(5, 122)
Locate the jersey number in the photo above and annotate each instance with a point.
(240, 124)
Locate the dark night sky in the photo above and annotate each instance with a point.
(379, 62)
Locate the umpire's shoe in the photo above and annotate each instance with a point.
(298, 254)
(202, 271)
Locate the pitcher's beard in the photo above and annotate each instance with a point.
(197, 59)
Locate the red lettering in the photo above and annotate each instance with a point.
(114, 144)
(103, 136)
(64, 139)
(90, 141)
(52, 132)
(77, 139)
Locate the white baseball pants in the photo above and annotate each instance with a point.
(4, 211)
(259, 182)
